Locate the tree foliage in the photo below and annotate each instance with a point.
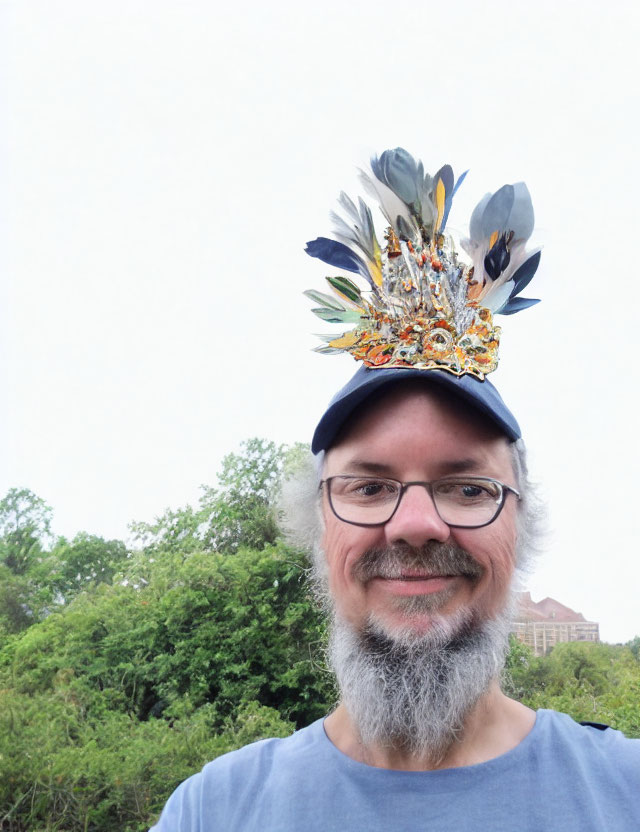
(591, 682)
(208, 629)
(235, 513)
(25, 524)
(68, 770)
(15, 608)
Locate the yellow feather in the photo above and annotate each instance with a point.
(375, 269)
(440, 197)
(376, 273)
(493, 239)
(344, 341)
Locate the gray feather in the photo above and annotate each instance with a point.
(521, 219)
(475, 223)
(328, 350)
(326, 300)
(497, 211)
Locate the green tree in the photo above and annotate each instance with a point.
(25, 524)
(239, 513)
(61, 769)
(206, 629)
(72, 565)
(590, 682)
(16, 603)
(634, 646)
(590, 665)
(236, 513)
(177, 530)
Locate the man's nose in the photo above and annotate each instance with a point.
(416, 520)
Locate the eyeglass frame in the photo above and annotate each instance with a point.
(428, 485)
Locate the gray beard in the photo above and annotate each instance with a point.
(411, 691)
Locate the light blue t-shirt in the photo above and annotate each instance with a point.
(563, 777)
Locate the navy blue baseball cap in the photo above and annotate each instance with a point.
(481, 395)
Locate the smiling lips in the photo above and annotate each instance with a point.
(415, 583)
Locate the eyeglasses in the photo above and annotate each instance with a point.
(461, 502)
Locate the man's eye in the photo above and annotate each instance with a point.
(467, 492)
(471, 491)
(370, 489)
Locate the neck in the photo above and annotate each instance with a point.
(494, 726)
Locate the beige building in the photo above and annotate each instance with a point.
(543, 624)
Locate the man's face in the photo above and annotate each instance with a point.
(418, 434)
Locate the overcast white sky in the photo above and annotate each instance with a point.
(165, 163)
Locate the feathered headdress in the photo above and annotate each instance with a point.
(424, 308)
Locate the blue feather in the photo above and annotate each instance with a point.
(337, 254)
(517, 305)
(524, 273)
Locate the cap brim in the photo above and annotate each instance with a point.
(480, 394)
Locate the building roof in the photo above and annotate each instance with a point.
(546, 610)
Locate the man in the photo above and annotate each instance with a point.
(420, 521)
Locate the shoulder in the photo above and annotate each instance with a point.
(595, 733)
(258, 759)
(227, 782)
(600, 748)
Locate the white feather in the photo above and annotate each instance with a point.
(391, 205)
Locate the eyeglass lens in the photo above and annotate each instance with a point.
(464, 501)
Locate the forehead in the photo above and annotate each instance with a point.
(414, 424)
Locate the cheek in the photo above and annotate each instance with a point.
(502, 560)
(334, 546)
(495, 551)
(343, 545)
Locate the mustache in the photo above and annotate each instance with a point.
(434, 557)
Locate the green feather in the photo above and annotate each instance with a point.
(345, 288)
(337, 316)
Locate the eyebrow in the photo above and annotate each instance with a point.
(460, 466)
(454, 466)
(366, 467)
